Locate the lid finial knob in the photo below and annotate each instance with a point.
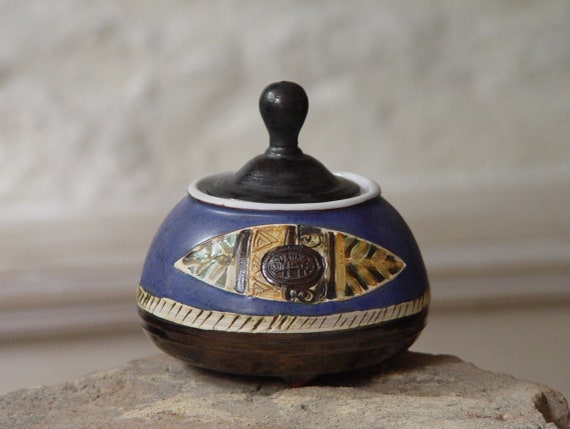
(283, 106)
(283, 174)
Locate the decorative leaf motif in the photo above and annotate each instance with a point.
(211, 261)
(368, 265)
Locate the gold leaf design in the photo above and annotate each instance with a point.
(367, 265)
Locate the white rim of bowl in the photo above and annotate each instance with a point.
(368, 189)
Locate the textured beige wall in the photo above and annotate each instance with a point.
(114, 104)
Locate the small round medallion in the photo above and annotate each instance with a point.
(293, 266)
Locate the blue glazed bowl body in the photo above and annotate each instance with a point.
(192, 222)
(224, 278)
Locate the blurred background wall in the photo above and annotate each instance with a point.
(458, 109)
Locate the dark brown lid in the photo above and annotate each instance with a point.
(283, 174)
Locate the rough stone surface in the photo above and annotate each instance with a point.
(414, 391)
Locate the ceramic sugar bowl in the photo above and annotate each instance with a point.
(283, 268)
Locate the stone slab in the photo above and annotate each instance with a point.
(413, 391)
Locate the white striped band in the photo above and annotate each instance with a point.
(192, 317)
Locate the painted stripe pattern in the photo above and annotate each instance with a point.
(192, 317)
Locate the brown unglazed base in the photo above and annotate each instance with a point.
(291, 356)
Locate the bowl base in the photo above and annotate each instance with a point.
(293, 357)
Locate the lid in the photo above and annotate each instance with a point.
(283, 174)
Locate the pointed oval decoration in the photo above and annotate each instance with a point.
(294, 263)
